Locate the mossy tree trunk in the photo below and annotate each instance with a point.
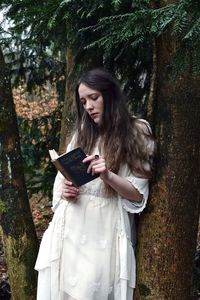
(17, 228)
(168, 228)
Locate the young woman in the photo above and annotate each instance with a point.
(87, 251)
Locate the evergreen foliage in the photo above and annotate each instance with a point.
(121, 31)
(28, 45)
(139, 27)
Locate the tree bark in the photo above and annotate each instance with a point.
(168, 228)
(152, 87)
(17, 228)
(68, 114)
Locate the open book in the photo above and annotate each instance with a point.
(71, 166)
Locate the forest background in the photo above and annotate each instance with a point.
(152, 47)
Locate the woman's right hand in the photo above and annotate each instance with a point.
(69, 191)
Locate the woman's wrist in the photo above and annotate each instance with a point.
(106, 176)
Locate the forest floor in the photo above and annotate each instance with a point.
(42, 215)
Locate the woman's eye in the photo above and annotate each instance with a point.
(95, 97)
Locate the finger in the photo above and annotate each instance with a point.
(95, 164)
(67, 182)
(91, 165)
(70, 190)
(67, 194)
(97, 169)
(71, 198)
(91, 157)
(88, 158)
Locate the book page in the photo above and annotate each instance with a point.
(53, 154)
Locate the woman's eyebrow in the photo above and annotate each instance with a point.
(93, 94)
(89, 95)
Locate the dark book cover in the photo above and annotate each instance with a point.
(71, 166)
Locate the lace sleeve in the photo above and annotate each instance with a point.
(142, 185)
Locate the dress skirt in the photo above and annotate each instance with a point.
(78, 257)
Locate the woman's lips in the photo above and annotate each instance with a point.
(94, 115)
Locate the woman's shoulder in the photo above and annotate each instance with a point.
(142, 125)
(145, 136)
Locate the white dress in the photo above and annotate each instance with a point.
(86, 253)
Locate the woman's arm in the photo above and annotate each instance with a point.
(121, 185)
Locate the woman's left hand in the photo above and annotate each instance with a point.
(97, 165)
(121, 185)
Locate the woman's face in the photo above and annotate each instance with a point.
(92, 101)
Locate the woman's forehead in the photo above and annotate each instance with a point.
(85, 90)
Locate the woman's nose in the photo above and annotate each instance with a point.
(88, 105)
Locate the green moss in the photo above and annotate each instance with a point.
(3, 208)
(21, 256)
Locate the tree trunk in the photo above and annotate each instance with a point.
(168, 228)
(17, 228)
(68, 114)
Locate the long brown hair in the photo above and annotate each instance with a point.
(123, 139)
